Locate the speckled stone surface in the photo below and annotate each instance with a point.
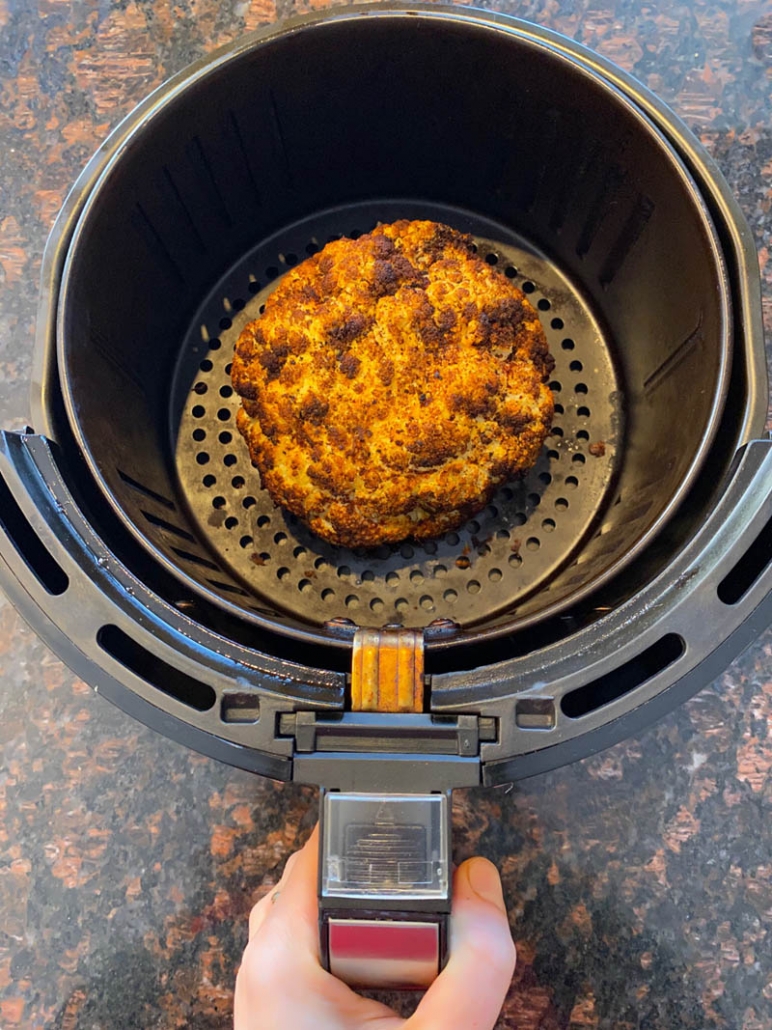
(639, 881)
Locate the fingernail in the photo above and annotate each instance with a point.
(485, 881)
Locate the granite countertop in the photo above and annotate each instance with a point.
(639, 881)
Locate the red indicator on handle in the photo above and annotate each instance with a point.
(384, 953)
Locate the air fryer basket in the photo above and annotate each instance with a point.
(566, 186)
(565, 170)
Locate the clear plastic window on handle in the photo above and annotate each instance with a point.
(385, 847)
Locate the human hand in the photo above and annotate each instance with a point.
(282, 986)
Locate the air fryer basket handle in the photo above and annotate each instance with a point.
(384, 879)
(384, 887)
(385, 838)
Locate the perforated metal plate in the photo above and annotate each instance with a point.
(493, 564)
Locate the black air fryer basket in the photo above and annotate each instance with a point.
(622, 574)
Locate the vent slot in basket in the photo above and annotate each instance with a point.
(627, 677)
(738, 581)
(47, 570)
(154, 670)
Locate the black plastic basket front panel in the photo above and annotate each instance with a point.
(388, 107)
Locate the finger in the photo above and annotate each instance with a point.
(471, 989)
(295, 911)
(281, 968)
(258, 913)
(260, 910)
(289, 864)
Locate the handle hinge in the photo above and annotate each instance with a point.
(387, 671)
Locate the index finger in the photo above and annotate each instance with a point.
(261, 909)
(295, 903)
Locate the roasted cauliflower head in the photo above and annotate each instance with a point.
(392, 383)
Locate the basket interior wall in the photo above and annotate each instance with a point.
(387, 108)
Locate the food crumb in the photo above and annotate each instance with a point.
(462, 562)
(597, 450)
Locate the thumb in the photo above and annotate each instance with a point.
(470, 991)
